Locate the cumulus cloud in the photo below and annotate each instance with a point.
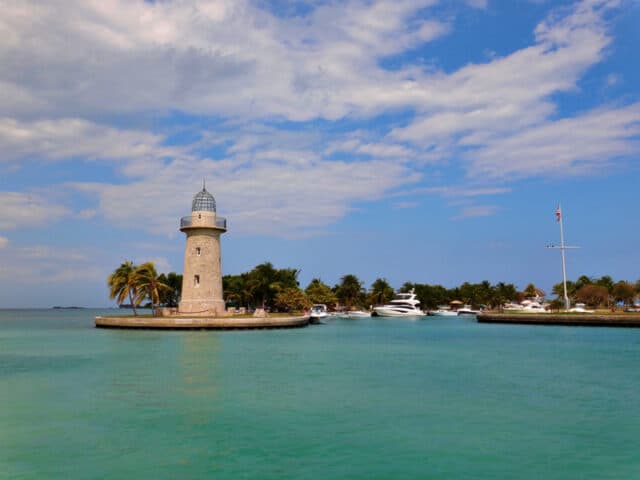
(275, 197)
(89, 85)
(18, 210)
(229, 57)
(513, 91)
(68, 138)
(42, 264)
(583, 144)
(500, 118)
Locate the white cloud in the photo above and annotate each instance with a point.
(234, 61)
(87, 213)
(466, 191)
(274, 196)
(476, 211)
(4, 241)
(41, 265)
(478, 3)
(188, 55)
(584, 144)
(67, 138)
(18, 210)
(510, 92)
(500, 118)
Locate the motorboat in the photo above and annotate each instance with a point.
(579, 308)
(318, 312)
(404, 305)
(527, 306)
(467, 310)
(442, 311)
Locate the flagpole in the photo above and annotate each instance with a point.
(562, 248)
(567, 305)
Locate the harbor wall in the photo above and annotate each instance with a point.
(192, 323)
(576, 319)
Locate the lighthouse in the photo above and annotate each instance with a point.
(202, 275)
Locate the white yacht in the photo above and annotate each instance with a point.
(318, 312)
(404, 305)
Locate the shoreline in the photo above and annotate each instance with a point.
(200, 323)
(630, 320)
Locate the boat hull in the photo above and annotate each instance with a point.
(435, 313)
(381, 312)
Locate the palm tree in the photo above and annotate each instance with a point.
(349, 291)
(381, 292)
(122, 284)
(148, 284)
(320, 292)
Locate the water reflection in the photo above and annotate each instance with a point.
(198, 363)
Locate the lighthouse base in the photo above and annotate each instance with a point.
(204, 308)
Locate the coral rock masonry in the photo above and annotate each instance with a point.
(202, 276)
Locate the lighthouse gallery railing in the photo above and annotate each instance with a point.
(221, 222)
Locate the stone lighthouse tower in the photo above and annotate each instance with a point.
(202, 276)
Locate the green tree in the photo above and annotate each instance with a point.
(431, 296)
(291, 299)
(171, 297)
(558, 289)
(148, 284)
(381, 292)
(503, 293)
(624, 292)
(122, 284)
(556, 304)
(236, 290)
(265, 281)
(607, 282)
(582, 281)
(319, 292)
(484, 294)
(261, 282)
(349, 290)
(530, 291)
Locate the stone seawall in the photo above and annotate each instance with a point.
(577, 319)
(187, 323)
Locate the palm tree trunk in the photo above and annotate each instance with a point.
(133, 305)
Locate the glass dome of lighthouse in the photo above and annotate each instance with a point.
(203, 201)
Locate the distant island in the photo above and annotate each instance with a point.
(72, 307)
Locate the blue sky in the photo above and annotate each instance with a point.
(426, 141)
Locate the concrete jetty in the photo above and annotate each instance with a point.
(575, 319)
(200, 323)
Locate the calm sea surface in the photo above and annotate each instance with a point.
(358, 399)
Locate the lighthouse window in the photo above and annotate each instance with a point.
(197, 251)
(196, 280)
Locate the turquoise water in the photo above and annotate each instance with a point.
(358, 399)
